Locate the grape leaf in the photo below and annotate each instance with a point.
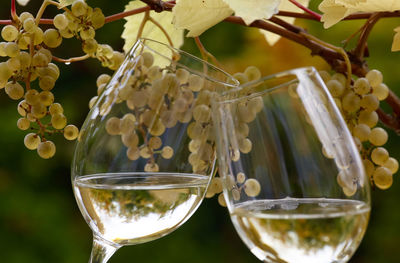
(23, 2)
(285, 5)
(396, 40)
(150, 31)
(64, 3)
(199, 15)
(336, 10)
(251, 10)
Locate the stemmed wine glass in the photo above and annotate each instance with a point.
(293, 179)
(145, 153)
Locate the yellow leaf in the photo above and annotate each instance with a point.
(199, 15)
(396, 40)
(150, 31)
(285, 5)
(251, 10)
(64, 3)
(336, 10)
(22, 2)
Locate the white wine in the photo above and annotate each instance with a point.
(132, 208)
(302, 230)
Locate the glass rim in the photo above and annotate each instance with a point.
(224, 97)
(143, 41)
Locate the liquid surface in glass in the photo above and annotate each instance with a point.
(302, 230)
(134, 208)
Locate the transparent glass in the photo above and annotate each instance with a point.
(293, 179)
(134, 175)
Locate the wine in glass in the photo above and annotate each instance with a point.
(293, 179)
(145, 154)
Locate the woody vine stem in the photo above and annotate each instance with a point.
(332, 55)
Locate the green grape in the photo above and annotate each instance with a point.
(383, 178)
(325, 75)
(148, 117)
(362, 132)
(351, 102)
(368, 118)
(79, 8)
(244, 113)
(48, 71)
(145, 152)
(204, 97)
(369, 167)
(87, 33)
(52, 38)
(56, 108)
(73, 25)
(46, 149)
(335, 88)
(221, 200)
(245, 145)
(180, 105)
(92, 101)
(252, 73)
(24, 16)
(341, 78)
(194, 145)
(31, 141)
(14, 64)
(23, 42)
(103, 79)
(30, 117)
(55, 71)
(167, 152)
(185, 117)
(47, 53)
(58, 121)
(127, 124)
(168, 118)
(60, 21)
(381, 91)
(240, 178)
(98, 19)
(9, 33)
(216, 185)
(130, 139)
(23, 124)
(14, 90)
(374, 77)
(369, 102)
(358, 143)
(202, 113)
(392, 164)
(133, 153)
(241, 77)
(182, 75)
(47, 83)
(151, 167)
(66, 33)
(195, 83)
(252, 187)
(256, 104)
(148, 59)
(157, 128)
(378, 136)
(379, 155)
(140, 98)
(89, 46)
(155, 143)
(116, 60)
(71, 132)
(25, 59)
(113, 126)
(38, 36)
(46, 98)
(11, 49)
(187, 95)
(22, 108)
(361, 86)
(2, 49)
(29, 25)
(5, 72)
(31, 96)
(40, 60)
(155, 72)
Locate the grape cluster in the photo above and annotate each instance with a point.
(245, 112)
(82, 21)
(358, 104)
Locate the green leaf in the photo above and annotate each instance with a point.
(199, 15)
(150, 30)
(64, 3)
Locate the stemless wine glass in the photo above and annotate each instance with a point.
(293, 179)
(145, 152)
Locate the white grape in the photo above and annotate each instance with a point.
(14, 90)
(167, 152)
(252, 187)
(374, 77)
(113, 126)
(383, 178)
(23, 124)
(60, 21)
(379, 155)
(31, 141)
(52, 38)
(58, 121)
(9, 33)
(381, 91)
(46, 149)
(392, 164)
(378, 136)
(361, 86)
(71, 132)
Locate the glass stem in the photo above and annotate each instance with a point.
(102, 250)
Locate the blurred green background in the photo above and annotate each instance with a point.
(39, 219)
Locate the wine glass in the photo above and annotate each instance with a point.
(293, 179)
(145, 153)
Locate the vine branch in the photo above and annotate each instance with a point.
(359, 51)
(307, 10)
